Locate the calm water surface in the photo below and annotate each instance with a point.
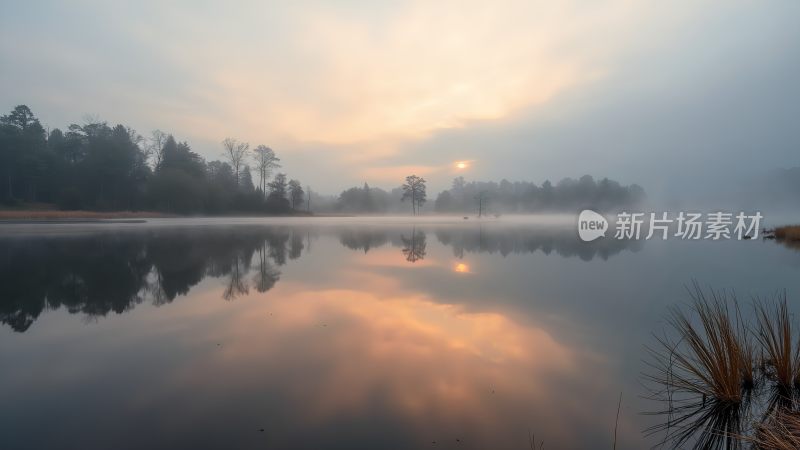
(342, 333)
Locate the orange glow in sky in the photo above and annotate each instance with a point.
(461, 268)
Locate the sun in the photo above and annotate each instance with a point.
(461, 165)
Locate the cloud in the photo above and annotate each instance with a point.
(429, 67)
(369, 90)
(340, 76)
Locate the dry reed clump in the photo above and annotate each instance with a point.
(780, 360)
(725, 380)
(704, 371)
(781, 431)
(788, 236)
(788, 233)
(712, 356)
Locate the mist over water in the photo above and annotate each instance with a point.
(343, 332)
(403, 225)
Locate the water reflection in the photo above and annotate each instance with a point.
(363, 238)
(702, 423)
(441, 372)
(99, 274)
(340, 336)
(112, 272)
(414, 246)
(266, 273)
(341, 353)
(517, 240)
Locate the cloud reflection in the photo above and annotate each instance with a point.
(339, 354)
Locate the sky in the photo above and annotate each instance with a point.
(675, 96)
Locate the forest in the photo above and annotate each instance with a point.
(98, 167)
(95, 166)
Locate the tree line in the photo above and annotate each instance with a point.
(99, 167)
(480, 197)
(526, 197)
(409, 197)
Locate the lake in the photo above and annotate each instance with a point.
(344, 332)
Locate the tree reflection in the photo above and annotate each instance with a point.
(99, 274)
(517, 240)
(96, 274)
(266, 274)
(237, 284)
(414, 247)
(363, 239)
(504, 240)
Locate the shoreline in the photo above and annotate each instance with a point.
(81, 216)
(52, 216)
(17, 216)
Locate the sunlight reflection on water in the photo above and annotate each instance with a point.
(337, 335)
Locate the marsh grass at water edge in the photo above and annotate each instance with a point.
(723, 380)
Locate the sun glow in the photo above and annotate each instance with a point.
(461, 165)
(461, 268)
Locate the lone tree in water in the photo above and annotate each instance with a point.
(414, 189)
(265, 161)
(296, 193)
(235, 152)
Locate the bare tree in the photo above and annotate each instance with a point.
(481, 198)
(235, 152)
(135, 137)
(414, 188)
(265, 161)
(155, 147)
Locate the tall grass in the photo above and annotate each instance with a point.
(780, 359)
(727, 381)
(781, 431)
(713, 355)
(704, 371)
